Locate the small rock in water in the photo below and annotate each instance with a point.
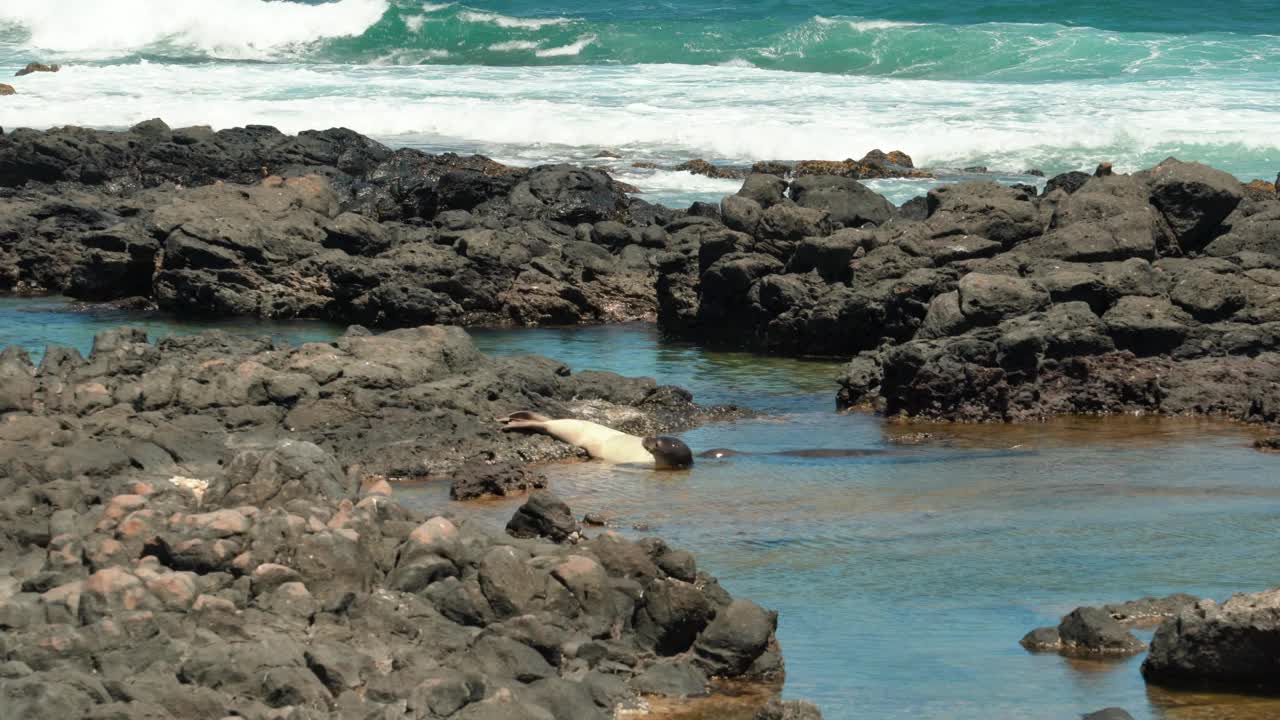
(1084, 631)
(777, 709)
(37, 67)
(1033, 172)
(607, 153)
(7, 89)
(596, 519)
(1268, 444)
(1111, 713)
(914, 438)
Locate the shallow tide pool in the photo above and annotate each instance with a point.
(903, 579)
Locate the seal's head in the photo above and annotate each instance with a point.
(669, 453)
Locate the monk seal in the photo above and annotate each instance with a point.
(663, 452)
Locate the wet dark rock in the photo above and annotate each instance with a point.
(739, 634)
(1231, 645)
(1268, 444)
(543, 515)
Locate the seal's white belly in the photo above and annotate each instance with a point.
(600, 442)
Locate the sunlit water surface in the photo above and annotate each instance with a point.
(903, 580)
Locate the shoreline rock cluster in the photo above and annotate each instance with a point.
(1153, 292)
(251, 222)
(1091, 631)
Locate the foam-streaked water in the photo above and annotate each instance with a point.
(1051, 85)
(904, 580)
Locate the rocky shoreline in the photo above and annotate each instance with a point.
(203, 527)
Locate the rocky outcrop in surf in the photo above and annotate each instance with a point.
(1154, 292)
(36, 67)
(875, 165)
(327, 224)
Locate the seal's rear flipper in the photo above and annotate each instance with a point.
(524, 415)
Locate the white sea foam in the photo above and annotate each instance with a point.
(415, 22)
(514, 45)
(436, 7)
(678, 111)
(503, 21)
(567, 50)
(862, 25)
(240, 29)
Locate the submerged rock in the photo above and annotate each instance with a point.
(1111, 713)
(788, 710)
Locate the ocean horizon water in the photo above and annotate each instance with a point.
(1052, 86)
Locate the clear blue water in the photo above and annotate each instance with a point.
(904, 581)
(34, 322)
(1009, 85)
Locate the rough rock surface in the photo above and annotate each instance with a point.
(1084, 631)
(1111, 713)
(1153, 292)
(408, 403)
(154, 603)
(1231, 645)
(477, 480)
(249, 221)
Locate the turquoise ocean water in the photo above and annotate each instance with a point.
(1053, 85)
